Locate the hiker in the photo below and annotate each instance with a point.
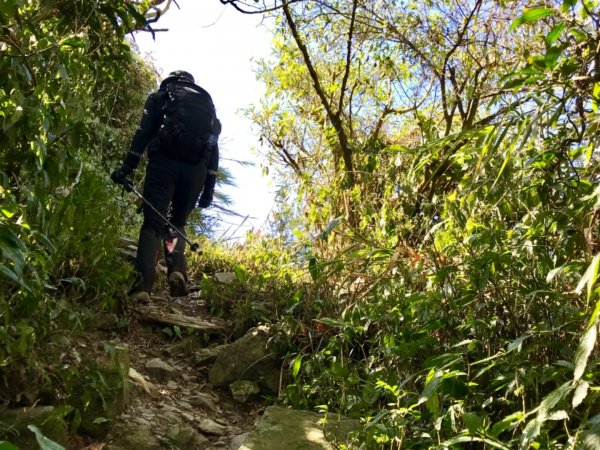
(179, 130)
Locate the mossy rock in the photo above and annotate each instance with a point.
(281, 428)
(137, 439)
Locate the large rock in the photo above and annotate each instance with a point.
(281, 428)
(248, 358)
(209, 426)
(203, 401)
(243, 390)
(137, 439)
(160, 370)
(185, 437)
(185, 346)
(208, 355)
(105, 321)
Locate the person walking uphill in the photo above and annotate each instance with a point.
(179, 130)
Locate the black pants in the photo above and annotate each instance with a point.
(173, 188)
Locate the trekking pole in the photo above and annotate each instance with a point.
(194, 246)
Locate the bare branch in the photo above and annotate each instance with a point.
(447, 111)
(348, 56)
(334, 116)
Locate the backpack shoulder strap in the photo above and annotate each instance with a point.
(167, 94)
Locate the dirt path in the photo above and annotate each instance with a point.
(178, 408)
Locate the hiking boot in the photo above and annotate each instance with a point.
(141, 297)
(177, 285)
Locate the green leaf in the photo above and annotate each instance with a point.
(465, 439)
(43, 441)
(434, 380)
(473, 422)
(552, 399)
(558, 415)
(333, 322)
(296, 366)
(514, 83)
(177, 331)
(9, 274)
(524, 131)
(551, 57)
(595, 314)
(7, 446)
(8, 210)
(12, 248)
(580, 393)
(13, 276)
(553, 273)
(531, 431)
(240, 273)
(44, 240)
(589, 277)
(509, 422)
(535, 14)
(531, 16)
(73, 42)
(330, 227)
(554, 34)
(567, 268)
(517, 344)
(579, 35)
(586, 345)
(313, 268)
(533, 428)
(139, 18)
(596, 97)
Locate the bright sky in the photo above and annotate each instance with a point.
(217, 44)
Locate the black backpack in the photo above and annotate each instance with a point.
(189, 121)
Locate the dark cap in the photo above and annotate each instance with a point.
(182, 75)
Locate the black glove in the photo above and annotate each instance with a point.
(205, 200)
(209, 190)
(120, 175)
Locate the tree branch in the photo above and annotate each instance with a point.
(448, 115)
(285, 155)
(334, 117)
(348, 57)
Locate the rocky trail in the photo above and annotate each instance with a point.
(172, 346)
(202, 389)
(175, 378)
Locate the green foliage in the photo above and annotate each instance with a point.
(260, 275)
(449, 295)
(71, 91)
(441, 281)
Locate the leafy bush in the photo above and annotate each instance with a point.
(70, 87)
(450, 251)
